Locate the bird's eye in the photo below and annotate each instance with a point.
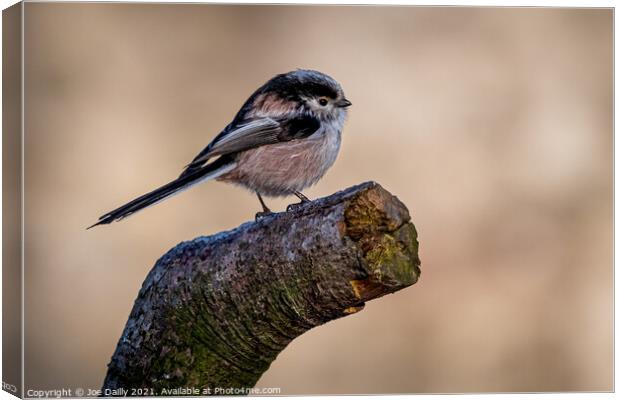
(323, 101)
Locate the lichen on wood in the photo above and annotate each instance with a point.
(217, 310)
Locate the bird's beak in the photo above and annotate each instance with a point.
(343, 103)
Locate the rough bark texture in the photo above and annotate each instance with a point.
(217, 310)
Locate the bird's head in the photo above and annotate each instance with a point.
(310, 91)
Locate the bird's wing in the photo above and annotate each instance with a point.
(255, 133)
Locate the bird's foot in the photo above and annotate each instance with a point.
(262, 214)
(266, 211)
(295, 206)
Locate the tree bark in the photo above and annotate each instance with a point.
(216, 311)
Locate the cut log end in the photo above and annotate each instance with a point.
(380, 225)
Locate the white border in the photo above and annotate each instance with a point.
(445, 3)
(479, 3)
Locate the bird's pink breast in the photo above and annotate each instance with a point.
(282, 168)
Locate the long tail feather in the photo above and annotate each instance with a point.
(209, 171)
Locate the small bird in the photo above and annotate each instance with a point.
(283, 140)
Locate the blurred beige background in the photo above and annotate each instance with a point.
(493, 125)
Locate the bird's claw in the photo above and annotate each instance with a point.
(261, 215)
(295, 206)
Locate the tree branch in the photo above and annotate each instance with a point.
(217, 310)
